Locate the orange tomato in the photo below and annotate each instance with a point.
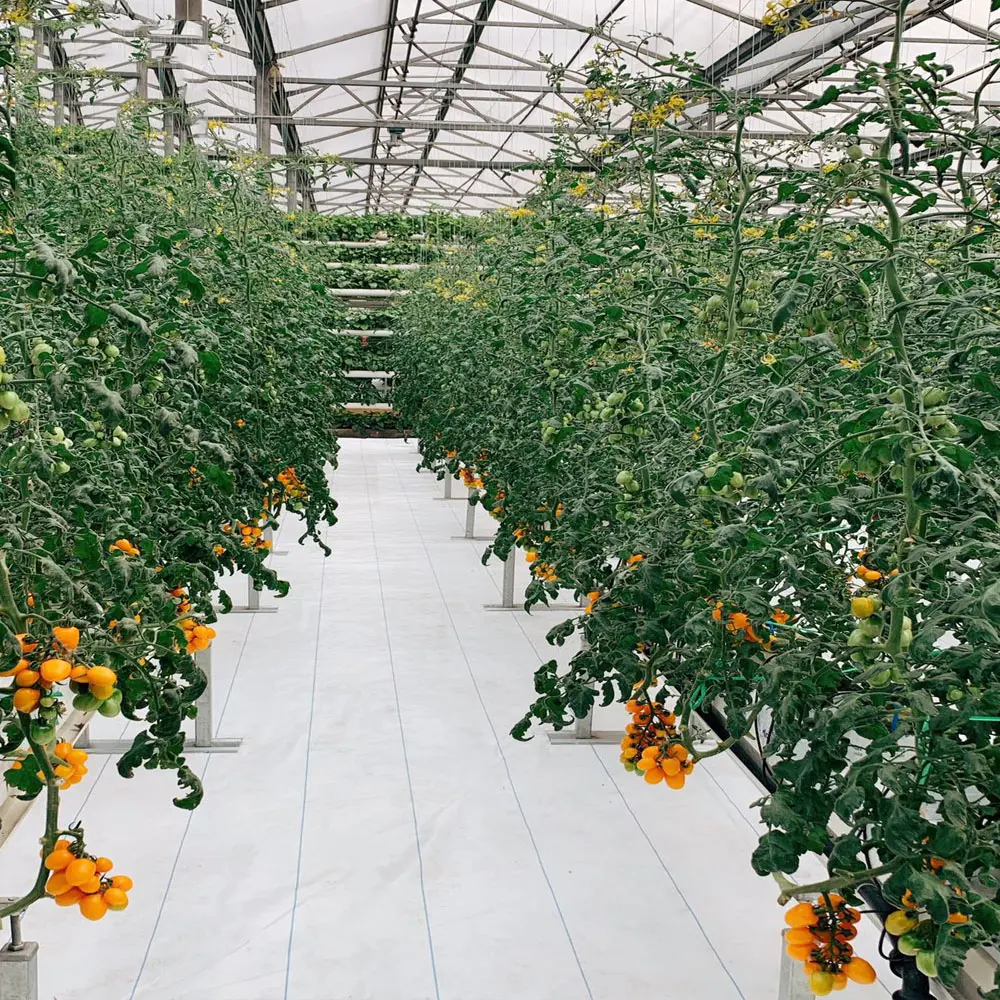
(27, 699)
(115, 898)
(860, 971)
(67, 637)
(55, 671)
(80, 870)
(801, 915)
(93, 907)
(59, 860)
(101, 677)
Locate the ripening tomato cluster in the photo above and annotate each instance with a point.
(471, 479)
(820, 936)
(68, 763)
(78, 879)
(295, 489)
(199, 637)
(125, 546)
(41, 666)
(652, 746)
(251, 535)
(181, 595)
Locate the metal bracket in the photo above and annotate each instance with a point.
(792, 983)
(204, 741)
(18, 963)
(449, 483)
(583, 734)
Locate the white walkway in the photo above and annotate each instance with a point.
(379, 836)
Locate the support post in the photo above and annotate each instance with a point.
(291, 185)
(470, 521)
(583, 733)
(262, 110)
(253, 605)
(448, 486)
(204, 740)
(507, 590)
(792, 983)
(168, 133)
(59, 111)
(142, 78)
(18, 965)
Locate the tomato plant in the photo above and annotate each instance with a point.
(743, 395)
(169, 378)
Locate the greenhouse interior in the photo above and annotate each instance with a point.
(467, 464)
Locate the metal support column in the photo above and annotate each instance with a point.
(507, 591)
(262, 111)
(253, 605)
(792, 983)
(583, 732)
(18, 965)
(291, 185)
(449, 484)
(470, 521)
(203, 742)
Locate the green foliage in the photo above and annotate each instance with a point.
(167, 356)
(772, 372)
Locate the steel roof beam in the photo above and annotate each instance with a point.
(390, 33)
(252, 19)
(464, 59)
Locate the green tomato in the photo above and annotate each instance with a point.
(607, 413)
(927, 964)
(616, 399)
(93, 342)
(947, 430)
(910, 944)
(62, 468)
(112, 706)
(880, 679)
(859, 637)
(897, 395)
(637, 406)
(42, 733)
(9, 399)
(85, 702)
(934, 397)
(19, 412)
(3, 356)
(112, 351)
(955, 694)
(624, 477)
(750, 307)
(714, 304)
(855, 152)
(736, 480)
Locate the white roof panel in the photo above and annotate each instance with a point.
(435, 102)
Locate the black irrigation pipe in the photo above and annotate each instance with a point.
(914, 984)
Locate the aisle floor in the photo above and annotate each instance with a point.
(380, 836)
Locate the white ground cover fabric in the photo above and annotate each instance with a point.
(379, 836)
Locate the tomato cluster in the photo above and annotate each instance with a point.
(79, 879)
(820, 936)
(42, 666)
(652, 746)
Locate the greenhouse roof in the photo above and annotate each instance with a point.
(442, 103)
